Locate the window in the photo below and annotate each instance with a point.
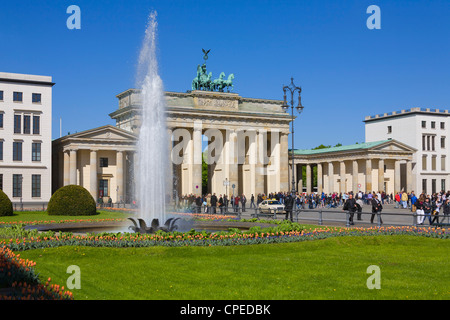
(428, 143)
(442, 142)
(442, 125)
(103, 162)
(1, 181)
(424, 162)
(423, 143)
(17, 185)
(26, 124)
(36, 97)
(432, 143)
(17, 122)
(433, 163)
(17, 96)
(103, 188)
(443, 185)
(424, 186)
(424, 124)
(1, 150)
(1, 120)
(1, 95)
(36, 185)
(36, 151)
(443, 158)
(389, 129)
(433, 185)
(433, 125)
(17, 151)
(36, 124)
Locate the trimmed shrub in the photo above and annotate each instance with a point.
(6, 207)
(72, 200)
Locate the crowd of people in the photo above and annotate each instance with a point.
(426, 206)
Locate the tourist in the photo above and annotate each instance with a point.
(288, 206)
(236, 203)
(427, 209)
(376, 208)
(360, 203)
(413, 201)
(213, 203)
(350, 206)
(404, 199)
(252, 201)
(243, 201)
(419, 209)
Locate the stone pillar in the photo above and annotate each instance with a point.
(197, 160)
(330, 177)
(397, 176)
(355, 176)
(342, 173)
(409, 181)
(93, 179)
(284, 163)
(66, 168)
(73, 167)
(369, 175)
(308, 179)
(319, 179)
(119, 175)
(299, 178)
(381, 175)
(259, 167)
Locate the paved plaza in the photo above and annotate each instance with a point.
(391, 216)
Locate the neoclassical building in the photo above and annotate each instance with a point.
(246, 141)
(385, 165)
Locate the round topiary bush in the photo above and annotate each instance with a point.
(6, 207)
(72, 200)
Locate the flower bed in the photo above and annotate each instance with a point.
(278, 234)
(19, 281)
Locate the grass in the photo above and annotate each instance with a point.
(412, 267)
(32, 217)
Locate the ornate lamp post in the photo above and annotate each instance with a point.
(292, 89)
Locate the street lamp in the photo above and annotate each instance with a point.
(292, 89)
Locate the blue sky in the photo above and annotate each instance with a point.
(346, 71)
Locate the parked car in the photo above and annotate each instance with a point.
(267, 206)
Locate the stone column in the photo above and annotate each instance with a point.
(259, 167)
(73, 167)
(319, 178)
(409, 181)
(308, 179)
(368, 175)
(197, 158)
(330, 177)
(397, 176)
(342, 173)
(355, 176)
(381, 175)
(299, 178)
(119, 174)
(66, 168)
(284, 162)
(93, 179)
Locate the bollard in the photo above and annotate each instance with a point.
(320, 218)
(379, 219)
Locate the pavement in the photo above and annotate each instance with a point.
(390, 216)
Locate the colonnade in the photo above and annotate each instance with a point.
(345, 175)
(239, 161)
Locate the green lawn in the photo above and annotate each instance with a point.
(28, 217)
(412, 267)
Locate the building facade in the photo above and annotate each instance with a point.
(384, 165)
(25, 137)
(427, 131)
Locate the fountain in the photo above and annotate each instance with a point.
(153, 178)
